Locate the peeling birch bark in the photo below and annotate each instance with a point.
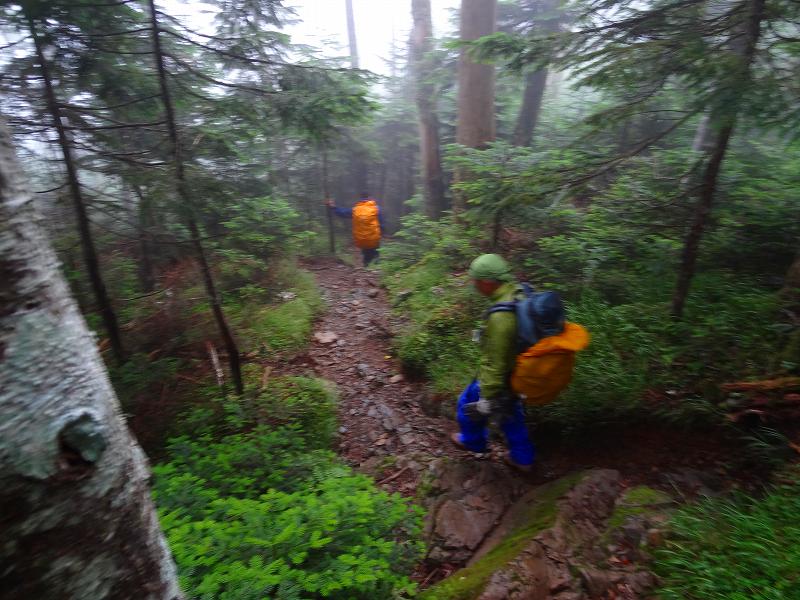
(76, 517)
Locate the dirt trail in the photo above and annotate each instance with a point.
(386, 433)
(381, 412)
(379, 409)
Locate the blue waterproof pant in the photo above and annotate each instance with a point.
(369, 254)
(475, 434)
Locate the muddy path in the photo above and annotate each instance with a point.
(380, 413)
(386, 419)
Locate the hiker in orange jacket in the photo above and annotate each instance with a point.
(367, 225)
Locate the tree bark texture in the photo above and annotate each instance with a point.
(76, 518)
(84, 230)
(234, 359)
(722, 127)
(430, 152)
(351, 34)
(475, 124)
(535, 83)
(146, 273)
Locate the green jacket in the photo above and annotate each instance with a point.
(498, 345)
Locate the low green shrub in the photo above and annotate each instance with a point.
(262, 515)
(281, 322)
(734, 549)
(308, 403)
(610, 376)
(255, 505)
(443, 309)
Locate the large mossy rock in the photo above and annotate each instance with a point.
(465, 501)
(537, 550)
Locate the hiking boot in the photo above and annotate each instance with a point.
(456, 439)
(515, 465)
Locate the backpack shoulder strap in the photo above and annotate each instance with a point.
(510, 306)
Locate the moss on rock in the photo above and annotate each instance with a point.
(469, 582)
(636, 501)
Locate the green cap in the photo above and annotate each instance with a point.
(490, 266)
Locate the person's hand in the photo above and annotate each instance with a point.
(478, 411)
(499, 409)
(330, 203)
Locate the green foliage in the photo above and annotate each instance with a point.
(731, 549)
(613, 372)
(284, 324)
(417, 268)
(140, 373)
(262, 515)
(307, 403)
(270, 512)
(444, 242)
(443, 311)
(263, 228)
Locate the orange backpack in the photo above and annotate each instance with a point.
(546, 343)
(366, 228)
(545, 369)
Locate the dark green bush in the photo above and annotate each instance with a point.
(140, 373)
(276, 315)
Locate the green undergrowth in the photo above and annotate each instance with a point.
(734, 549)
(140, 375)
(441, 308)
(729, 332)
(256, 505)
(276, 318)
(309, 403)
(469, 583)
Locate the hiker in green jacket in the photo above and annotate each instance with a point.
(489, 396)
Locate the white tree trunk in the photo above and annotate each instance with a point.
(76, 518)
(351, 33)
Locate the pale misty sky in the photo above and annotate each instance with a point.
(324, 23)
(325, 20)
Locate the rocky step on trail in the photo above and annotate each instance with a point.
(492, 533)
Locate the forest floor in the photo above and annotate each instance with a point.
(391, 428)
(383, 413)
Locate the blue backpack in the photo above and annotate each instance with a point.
(539, 315)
